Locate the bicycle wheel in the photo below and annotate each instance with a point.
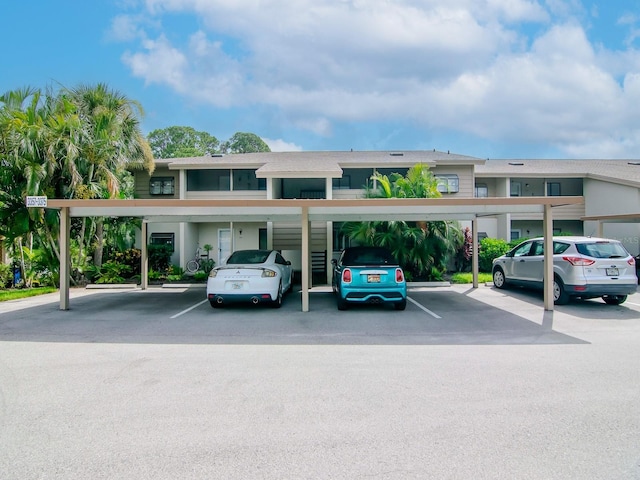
(193, 266)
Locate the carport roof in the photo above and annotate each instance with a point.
(157, 210)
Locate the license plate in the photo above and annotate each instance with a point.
(373, 278)
(236, 286)
(612, 272)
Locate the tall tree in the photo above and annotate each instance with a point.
(422, 248)
(242, 142)
(175, 142)
(111, 144)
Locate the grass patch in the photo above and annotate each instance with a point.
(15, 294)
(468, 278)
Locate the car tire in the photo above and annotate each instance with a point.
(215, 304)
(499, 280)
(342, 304)
(400, 305)
(277, 303)
(614, 299)
(560, 295)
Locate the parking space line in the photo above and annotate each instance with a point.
(420, 306)
(190, 308)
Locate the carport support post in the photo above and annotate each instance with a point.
(305, 259)
(144, 258)
(65, 258)
(548, 258)
(474, 251)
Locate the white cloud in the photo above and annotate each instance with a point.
(463, 65)
(280, 145)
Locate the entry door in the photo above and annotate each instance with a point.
(224, 244)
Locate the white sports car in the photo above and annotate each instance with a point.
(255, 276)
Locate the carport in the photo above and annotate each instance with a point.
(304, 212)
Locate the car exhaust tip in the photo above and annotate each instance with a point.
(255, 300)
(219, 300)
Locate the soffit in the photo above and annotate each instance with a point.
(318, 210)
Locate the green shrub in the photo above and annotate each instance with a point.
(131, 257)
(176, 270)
(174, 277)
(6, 275)
(159, 257)
(199, 276)
(156, 275)
(206, 265)
(491, 248)
(111, 272)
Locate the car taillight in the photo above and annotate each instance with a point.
(631, 261)
(579, 261)
(346, 275)
(213, 273)
(399, 275)
(268, 273)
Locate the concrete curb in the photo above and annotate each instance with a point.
(123, 286)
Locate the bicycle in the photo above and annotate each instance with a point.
(193, 265)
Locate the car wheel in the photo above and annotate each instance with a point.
(400, 305)
(498, 278)
(342, 304)
(277, 303)
(614, 299)
(560, 296)
(215, 304)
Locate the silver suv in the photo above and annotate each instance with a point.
(583, 267)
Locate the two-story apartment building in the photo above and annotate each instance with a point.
(609, 187)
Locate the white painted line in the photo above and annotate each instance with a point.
(631, 303)
(434, 315)
(189, 309)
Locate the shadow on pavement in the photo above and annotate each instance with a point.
(158, 316)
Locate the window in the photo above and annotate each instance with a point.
(482, 191)
(553, 189)
(162, 186)
(356, 178)
(448, 183)
(163, 239)
(343, 183)
(246, 180)
(516, 234)
(208, 180)
(516, 189)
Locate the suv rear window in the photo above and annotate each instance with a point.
(602, 250)
(368, 256)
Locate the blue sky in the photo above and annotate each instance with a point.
(486, 78)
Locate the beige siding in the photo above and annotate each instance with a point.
(465, 179)
(233, 195)
(142, 178)
(288, 236)
(567, 212)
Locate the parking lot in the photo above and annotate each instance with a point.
(465, 383)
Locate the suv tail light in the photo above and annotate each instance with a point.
(579, 261)
(631, 261)
(346, 275)
(399, 275)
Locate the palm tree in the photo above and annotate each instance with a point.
(423, 249)
(111, 143)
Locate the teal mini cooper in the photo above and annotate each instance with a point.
(368, 275)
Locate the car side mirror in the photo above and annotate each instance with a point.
(288, 262)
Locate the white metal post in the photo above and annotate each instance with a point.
(65, 258)
(548, 258)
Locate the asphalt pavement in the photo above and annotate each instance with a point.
(464, 384)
